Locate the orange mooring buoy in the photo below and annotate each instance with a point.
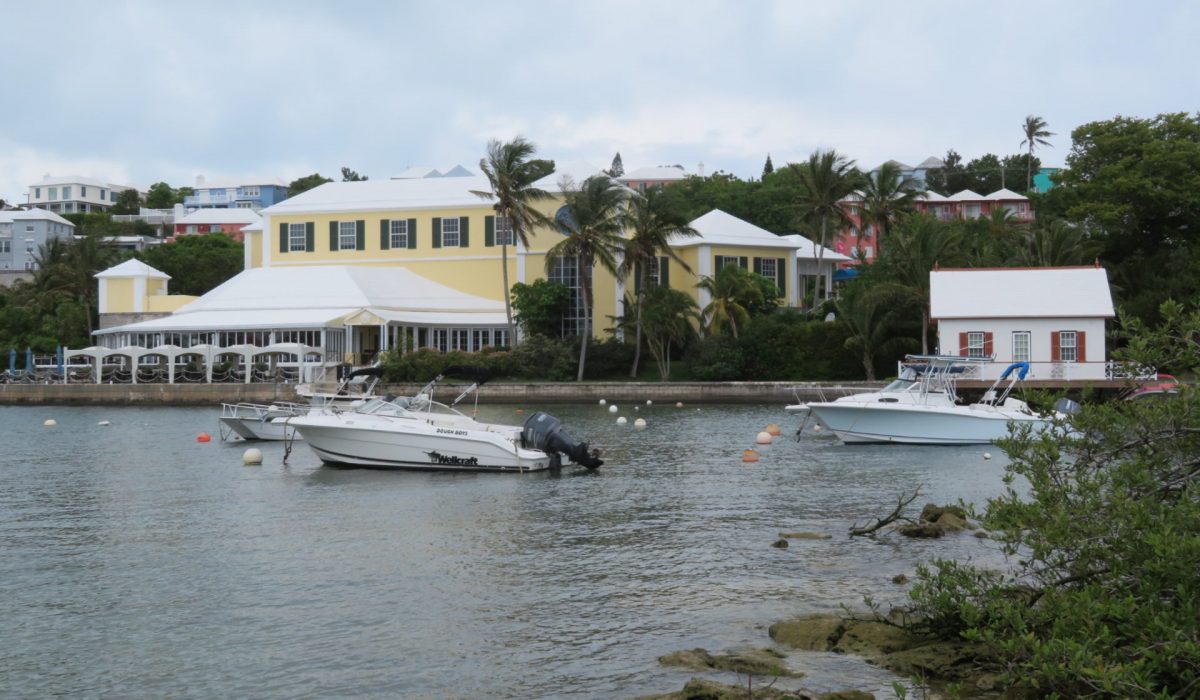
(204, 437)
(773, 430)
(749, 455)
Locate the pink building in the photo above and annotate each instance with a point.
(205, 221)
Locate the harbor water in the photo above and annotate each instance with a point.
(136, 562)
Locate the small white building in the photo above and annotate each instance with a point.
(1051, 317)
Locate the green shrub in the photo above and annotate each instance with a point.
(549, 359)
(607, 359)
(715, 359)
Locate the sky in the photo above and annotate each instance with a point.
(134, 92)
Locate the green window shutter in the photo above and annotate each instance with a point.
(489, 231)
(720, 262)
(310, 236)
(781, 274)
(360, 235)
(283, 238)
(333, 236)
(437, 232)
(743, 263)
(637, 278)
(385, 234)
(758, 266)
(412, 234)
(664, 273)
(464, 231)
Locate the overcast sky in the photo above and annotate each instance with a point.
(138, 92)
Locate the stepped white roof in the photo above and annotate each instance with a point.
(221, 215)
(1039, 292)
(234, 183)
(661, 172)
(319, 296)
(8, 216)
(387, 195)
(132, 268)
(79, 180)
(807, 250)
(719, 228)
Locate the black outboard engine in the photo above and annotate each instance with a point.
(545, 432)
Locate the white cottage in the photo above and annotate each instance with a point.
(1052, 317)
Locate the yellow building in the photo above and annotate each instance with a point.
(448, 244)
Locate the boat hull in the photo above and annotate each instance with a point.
(921, 425)
(354, 440)
(261, 429)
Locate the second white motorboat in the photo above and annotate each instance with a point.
(922, 407)
(256, 421)
(419, 433)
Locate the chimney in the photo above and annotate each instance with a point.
(199, 181)
(700, 169)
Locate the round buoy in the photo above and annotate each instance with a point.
(639, 423)
(520, 410)
(50, 423)
(678, 404)
(649, 402)
(635, 408)
(773, 429)
(622, 420)
(816, 428)
(749, 455)
(987, 455)
(252, 456)
(602, 402)
(104, 422)
(204, 437)
(612, 408)
(763, 438)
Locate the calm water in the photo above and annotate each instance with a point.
(135, 562)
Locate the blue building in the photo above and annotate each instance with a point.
(256, 194)
(1042, 181)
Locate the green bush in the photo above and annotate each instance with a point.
(715, 359)
(787, 346)
(550, 359)
(607, 359)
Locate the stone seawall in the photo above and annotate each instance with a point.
(500, 393)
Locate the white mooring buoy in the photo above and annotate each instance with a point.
(639, 423)
(104, 423)
(612, 408)
(252, 456)
(987, 455)
(763, 438)
(602, 402)
(49, 422)
(622, 420)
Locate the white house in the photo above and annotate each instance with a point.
(74, 194)
(1052, 317)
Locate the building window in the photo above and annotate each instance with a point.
(460, 339)
(28, 228)
(103, 195)
(399, 233)
(504, 231)
(1068, 351)
(250, 191)
(769, 268)
(245, 205)
(28, 245)
(347, 236)
(440, 339)
(82, 191)
(1020, 346)
(66, 193)
(53, 194)
(723, 260)
(481, 338)
(37, 192)
(566, 273)
(975, 344)
(500, 338)
(296, 239)
(5, 246)
(30, 265)
(193, 228)
(450, 232)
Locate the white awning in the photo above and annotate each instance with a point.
(256, 319)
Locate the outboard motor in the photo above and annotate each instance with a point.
(544, 432)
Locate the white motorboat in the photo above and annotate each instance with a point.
(254, 421)
(421, 434)
(922, 407)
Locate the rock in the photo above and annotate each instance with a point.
(926, 530)
(872, 639)
(810, 633)
(847, 695)
(781, 544)
(701, 689)
(930, 513)
(952, 523)
(947, 661)
(981, 534)
(753, 662)
(806, 535)
(900, 578)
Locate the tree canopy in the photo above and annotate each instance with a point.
(196, 264)
(306, 183)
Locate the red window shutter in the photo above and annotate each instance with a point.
(1080, 346)
(962, 344)
(987, 344)
(1055, 352)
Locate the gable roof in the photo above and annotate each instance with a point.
(48, 180)
(1038, 292)
(220, 215)
(34, 214)
(931, 162)
(807, 250)
(1006, 194)
(964, 195)
(132, 268)
(386, 195)
(719, 228)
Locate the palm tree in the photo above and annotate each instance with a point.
(70, 269)
(868, 312)
(732, 290)
(653, 222)
(511, 171)
(668, 320)
(1035, 135)
(917, 245)
(887, 195)
(827, 177)
(592, 222)
(1056, 244)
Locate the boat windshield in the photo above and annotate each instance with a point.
(406, 405)
(899, 385)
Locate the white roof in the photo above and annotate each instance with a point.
(575, 171)
(133, 268)
(221, 215)
(964, 195)
(387, 195)
(234, 183)
(79, 180)
(256, 226)
(1006, 194)
(1040, 292)
(718, 228)
(10, 215)
(418, 171)
(662, 172)
(931, 196)
(318, 296)
(807, 250)
(931, 162)
(898, 164)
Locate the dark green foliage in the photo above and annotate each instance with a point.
(546, 359)
(349, 175)
(128, 202)
(608, 358)
(539, 307)
(303, 184)
(1103, 597)
(163, 196)
(617, 169)
(787, 345)
(196, 264)
(716, 358)
(768, 167)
